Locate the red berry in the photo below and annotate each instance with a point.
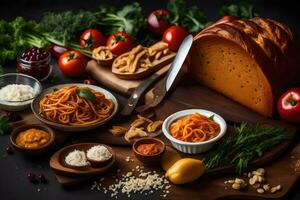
(42, 178)
(32, 178)
(9, 150)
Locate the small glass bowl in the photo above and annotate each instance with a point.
(16, 78)
(40, 69)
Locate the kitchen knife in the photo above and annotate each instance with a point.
(161, 90)
(140, 90)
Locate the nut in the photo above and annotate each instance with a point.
(261, 170)
(231, 181)
(278, 187)
(236, 186)
(239, 181)
(266, 187)
(260, 179)
(260, 191)
(252, 181)
(273, 190)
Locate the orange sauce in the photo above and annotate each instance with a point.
(149, 149)
(32, 138)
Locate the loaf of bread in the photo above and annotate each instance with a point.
(250, 61)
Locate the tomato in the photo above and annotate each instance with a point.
(57, 50)
(89, 81)
(120, 43)
(91, 39)
(226, 18)
(289, 105)
(72, 63)
(158, 21)
(174, 36)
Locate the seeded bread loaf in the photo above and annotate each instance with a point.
(250, 61)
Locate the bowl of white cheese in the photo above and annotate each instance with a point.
(17, 91)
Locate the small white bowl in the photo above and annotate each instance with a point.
(192, 147)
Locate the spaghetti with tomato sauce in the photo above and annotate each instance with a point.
(66, 107)
(194, 128)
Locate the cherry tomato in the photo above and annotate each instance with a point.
(72, 63)
(120, 43)
(91, 39)
(158, 21)
(174, 36)
(57, 50)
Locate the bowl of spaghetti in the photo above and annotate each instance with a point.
(75, 107)
(195, 130)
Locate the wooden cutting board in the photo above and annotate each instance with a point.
(103, 75)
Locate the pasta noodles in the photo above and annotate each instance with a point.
(65, 106)
(194, 128)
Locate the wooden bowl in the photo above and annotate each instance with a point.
(142, 72)
(106, 62)
(60, 167)
(35, 151)
(35, 107)
(148, 159)
(101, 163)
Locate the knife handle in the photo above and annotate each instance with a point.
(159, 94)
(137, 93)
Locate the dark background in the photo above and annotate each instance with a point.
(13, 169)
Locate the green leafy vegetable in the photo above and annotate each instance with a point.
(66, 26)
(5, 126)
(86, 93)
(189, 17)
(249, 142)
(129, 19)
(243, 10)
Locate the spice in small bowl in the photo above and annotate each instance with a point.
(32, 139)
(149, 150)
(99, 155)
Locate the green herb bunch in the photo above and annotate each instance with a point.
(248, 143)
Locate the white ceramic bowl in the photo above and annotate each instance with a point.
(192, 147)
(16, 78)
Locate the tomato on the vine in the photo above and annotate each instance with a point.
(158, 21)
(120, 43)
(72, 63)
(91, 39)
(173, 36)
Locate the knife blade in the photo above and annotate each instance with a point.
(161, 90)
(140, 90)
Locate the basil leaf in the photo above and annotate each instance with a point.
(86, 93)
(211, 117)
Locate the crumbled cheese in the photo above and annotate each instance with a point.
(76, 158)
(98, 153)
(16, 92)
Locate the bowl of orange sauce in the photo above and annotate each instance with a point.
(32, 139)
(149, 150)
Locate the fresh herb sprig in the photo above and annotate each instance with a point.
(5, 126)
(248, 143)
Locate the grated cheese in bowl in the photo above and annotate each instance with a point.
(76, 158)
(98, 153)
(16, 92)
